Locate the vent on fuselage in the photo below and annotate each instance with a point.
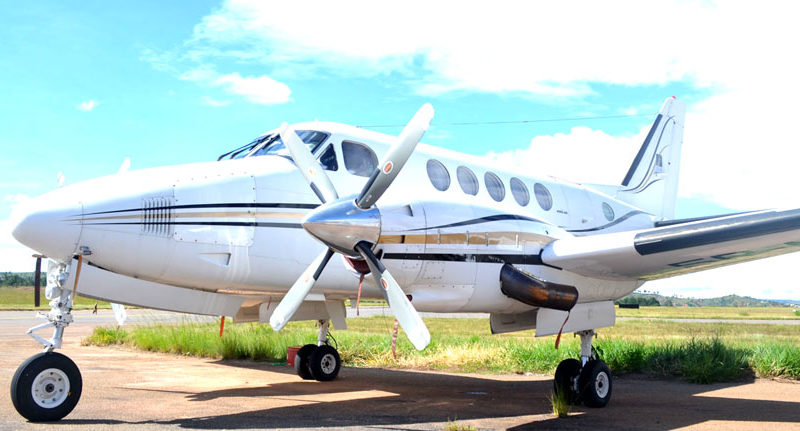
(157, 216)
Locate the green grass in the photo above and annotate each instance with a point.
(750, 313)
(21, 298)
(561, 403)
(697, 352)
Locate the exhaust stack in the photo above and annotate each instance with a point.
(538, 293)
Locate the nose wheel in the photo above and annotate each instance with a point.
(46, 387)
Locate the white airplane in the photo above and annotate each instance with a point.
(253, 236)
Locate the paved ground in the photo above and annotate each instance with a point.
(126, 390)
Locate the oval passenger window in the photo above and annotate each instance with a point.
(543, 196)
(467, 180)
(494, 186)
(520, 191)
(438, 175)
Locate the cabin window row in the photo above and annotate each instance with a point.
(468, 181)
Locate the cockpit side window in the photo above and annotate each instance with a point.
(359, 159)
(272, 144)
(328, 159)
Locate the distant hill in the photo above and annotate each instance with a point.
(723, 301)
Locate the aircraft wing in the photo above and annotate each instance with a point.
(679, 247)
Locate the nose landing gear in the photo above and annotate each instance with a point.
(587, 380)
(320, 362)
(47, 386)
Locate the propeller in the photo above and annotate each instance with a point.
(37, 281)
(351, 225)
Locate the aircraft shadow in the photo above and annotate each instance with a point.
(379, 397)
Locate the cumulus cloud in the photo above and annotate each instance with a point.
(261, 90)
(87, 106)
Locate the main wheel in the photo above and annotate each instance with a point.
(325, 363)
(595, 384)
(46, 387)
(564, 381)
(301, 361)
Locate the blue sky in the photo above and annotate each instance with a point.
(85, 84)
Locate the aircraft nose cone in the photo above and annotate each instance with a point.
(49, 224)
(341, 225)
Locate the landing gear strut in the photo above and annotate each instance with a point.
(321, 361)
(47, 386)
(587, 380)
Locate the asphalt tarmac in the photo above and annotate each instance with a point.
(131, 390)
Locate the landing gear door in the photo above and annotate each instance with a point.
(214, 210)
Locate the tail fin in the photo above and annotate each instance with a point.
(652, 180)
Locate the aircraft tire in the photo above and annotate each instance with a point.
(595, 384)
(325, 363)
(301, 361)
(566, 373)
(46, 387)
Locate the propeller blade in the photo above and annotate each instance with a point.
(397, 156)
(403, 310)
(311, 169)
(298, 292)
(37, 281)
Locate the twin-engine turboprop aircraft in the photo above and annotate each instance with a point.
(284, 227)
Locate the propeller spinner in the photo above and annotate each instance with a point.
(351, 225)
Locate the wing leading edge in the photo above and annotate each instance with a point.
(679, 248)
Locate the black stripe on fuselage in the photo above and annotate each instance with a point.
(514, 259)
(716, 231)
(487, 219)
(216, 205)
(204, 223)
(608, 225)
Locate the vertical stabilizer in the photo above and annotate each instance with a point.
(651, 183)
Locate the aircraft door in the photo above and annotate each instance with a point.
(402, 240)
(449, 268)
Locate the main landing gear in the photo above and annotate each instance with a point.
(318, 362)
(47, 386)
(587, 380)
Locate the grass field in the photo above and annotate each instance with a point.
(21, 298)
(749, 313)
(698, 352)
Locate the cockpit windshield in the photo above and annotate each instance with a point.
(272, 144)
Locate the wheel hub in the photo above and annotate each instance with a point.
(601, 384)
(328, 363)
(50, 388)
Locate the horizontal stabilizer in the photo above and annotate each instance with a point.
(678, 248)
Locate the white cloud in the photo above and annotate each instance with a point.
(583, 155)
(87, 106)
(209, 101)
(554, 51)
(261, 90)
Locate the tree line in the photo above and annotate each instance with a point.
(16, 279)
